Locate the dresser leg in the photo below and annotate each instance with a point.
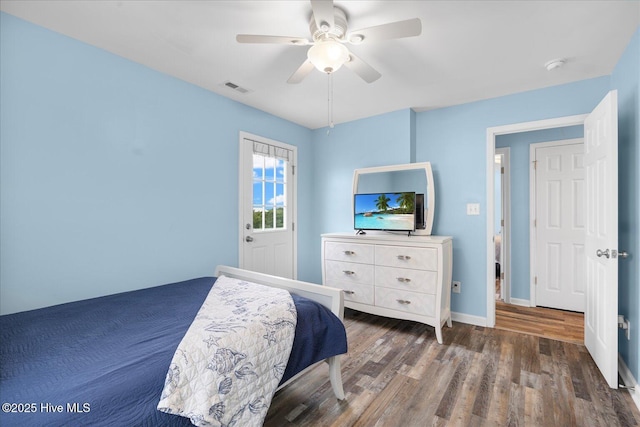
(439, 334)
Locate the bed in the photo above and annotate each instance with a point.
(104, 361)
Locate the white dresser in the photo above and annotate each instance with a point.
(404, 277)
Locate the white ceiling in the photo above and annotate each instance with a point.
(468, 50)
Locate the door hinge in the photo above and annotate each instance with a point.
(293, 169)
(535, 223)
(535, 164)
(502, 223)
(502, 275)
(535, 280)
(293, 226)
(502, 170)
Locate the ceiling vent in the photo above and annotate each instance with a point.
(235, 87)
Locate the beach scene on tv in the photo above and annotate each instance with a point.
(384, 211)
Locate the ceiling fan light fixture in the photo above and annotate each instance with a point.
(328, 55)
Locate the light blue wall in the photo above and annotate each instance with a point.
(626, 79)
(374, 141)
(520, 219)
(114, 176)
(454, 141)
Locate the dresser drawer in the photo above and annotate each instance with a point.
(348, 272)
(407, 257)
(356, 292)
(410, 302)
(407, 279)
(350, 252)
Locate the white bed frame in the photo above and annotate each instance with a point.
(332, 298)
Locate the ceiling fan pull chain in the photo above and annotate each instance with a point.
(330, 101)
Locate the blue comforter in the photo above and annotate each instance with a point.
(103, 361)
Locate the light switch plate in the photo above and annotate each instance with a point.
(473, 208)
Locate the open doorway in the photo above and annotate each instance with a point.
(515, 215)
(517, 269)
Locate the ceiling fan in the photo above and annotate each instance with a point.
(329, 33)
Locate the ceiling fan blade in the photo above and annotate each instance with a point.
(392, 30)
(361, 68)
(323, 13)
(301, 72)
(251, 38)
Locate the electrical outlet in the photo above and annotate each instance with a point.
(455, 287)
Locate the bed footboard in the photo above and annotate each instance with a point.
(332, 298)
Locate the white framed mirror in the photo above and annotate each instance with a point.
(410, 177)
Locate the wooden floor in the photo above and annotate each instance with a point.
(396, 374)
(542, 322)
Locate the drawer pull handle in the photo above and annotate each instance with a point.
(403, 279)
(403, 301)
(404, 257)
(348, 272)
(349, 292)
(349, 253)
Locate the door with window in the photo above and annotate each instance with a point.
(267, 206)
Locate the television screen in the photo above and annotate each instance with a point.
(384, 211)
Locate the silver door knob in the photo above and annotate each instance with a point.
(248, 239)
(623, 254)
(601, 253)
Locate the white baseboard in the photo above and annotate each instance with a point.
(469, 319)
(629, 381)
(521, 302)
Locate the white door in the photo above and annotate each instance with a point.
(267, 206)
(559, 230)
(601, 244)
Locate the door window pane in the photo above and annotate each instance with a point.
(269, 193)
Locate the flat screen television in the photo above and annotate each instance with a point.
(384, 211)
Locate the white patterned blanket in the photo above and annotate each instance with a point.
(229, 363)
